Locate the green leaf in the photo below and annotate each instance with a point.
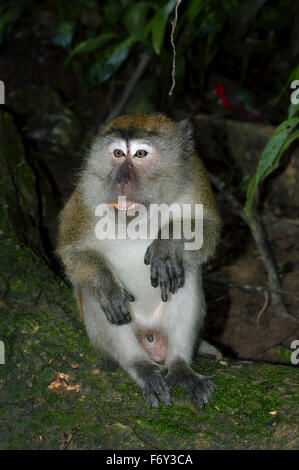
(64, 33)
(158, 29)
(293, 110)
(194, 8)
(277, 145)
(90, 45)
(158, 24)
(110, 63)
(7, 21)
(135, 18)
(283, 353)
(293, 76)
(112, 12)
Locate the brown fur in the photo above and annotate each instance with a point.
(149, 122)
(74, 221)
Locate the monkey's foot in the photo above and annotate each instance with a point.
(153, 384)
(199, 387)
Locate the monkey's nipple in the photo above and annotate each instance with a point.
(150, 338)
(154, 343)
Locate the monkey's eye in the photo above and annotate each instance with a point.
(118, 153)
(141, 153)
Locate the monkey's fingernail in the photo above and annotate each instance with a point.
(132, 298)
(154, 281)
(147, 258)
(164, 297)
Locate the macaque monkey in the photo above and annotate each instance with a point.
(142, 299)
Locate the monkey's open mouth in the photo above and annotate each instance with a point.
(125, 205)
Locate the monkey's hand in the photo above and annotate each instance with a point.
(165, 258)
(113, 297)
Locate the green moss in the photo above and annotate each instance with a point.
(43, 335)
(165, 425)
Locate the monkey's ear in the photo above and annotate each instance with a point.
(186, 129)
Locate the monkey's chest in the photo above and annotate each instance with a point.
(126, 260)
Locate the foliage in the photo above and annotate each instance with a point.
(99, 36)
(293, 75)
(285, 134)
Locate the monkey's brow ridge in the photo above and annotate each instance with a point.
(131, 133)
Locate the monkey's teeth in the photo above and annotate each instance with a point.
(126, 207)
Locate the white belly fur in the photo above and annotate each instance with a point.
(126, 260)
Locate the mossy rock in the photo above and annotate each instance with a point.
(253, 406)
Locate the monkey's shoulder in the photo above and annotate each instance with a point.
(74, 220)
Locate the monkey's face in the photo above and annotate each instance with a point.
(140, 157)
(130, 160)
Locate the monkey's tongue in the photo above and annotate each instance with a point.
(124, 205)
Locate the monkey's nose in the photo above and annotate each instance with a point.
(123, 176)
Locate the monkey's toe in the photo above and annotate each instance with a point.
(156, 390)
(154, 385)
(200, 388)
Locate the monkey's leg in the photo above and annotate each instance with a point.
(121, 343)
(184, 314)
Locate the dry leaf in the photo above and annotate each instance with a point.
(61, 385)
(274, 412)
(66, 443)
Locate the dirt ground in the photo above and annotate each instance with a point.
(235, 314)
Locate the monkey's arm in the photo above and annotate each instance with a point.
(167, 257)
(87, 269)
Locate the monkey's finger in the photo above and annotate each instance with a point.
(110, 315)
(160, 389)
(162, 392)
(125, 314)
(121, 312)
(129, 297)
(148, 255)
(154, 275)
(180, 276)
(171, 277)
(199, 388)
(163, 287)
(172, 380)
